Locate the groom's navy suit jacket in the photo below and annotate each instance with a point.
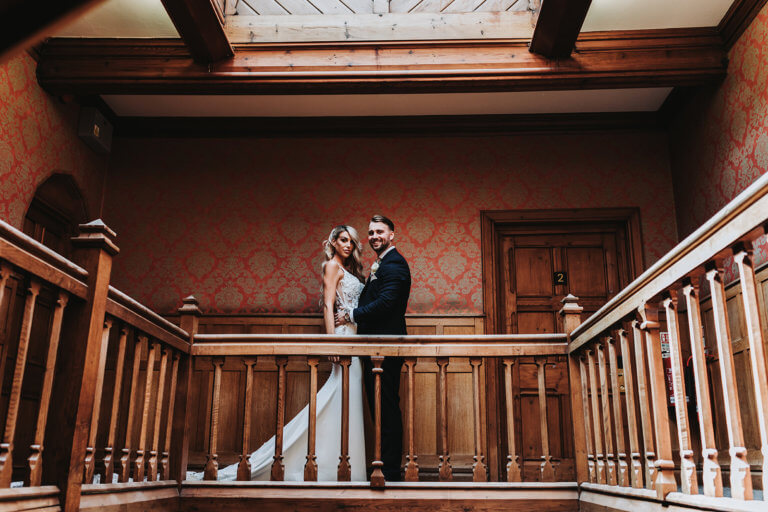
(382, 304)
(381, 310)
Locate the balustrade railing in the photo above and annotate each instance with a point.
(443, 351)
(640, 434)
(72, 339)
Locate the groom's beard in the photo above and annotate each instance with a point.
(383, 247)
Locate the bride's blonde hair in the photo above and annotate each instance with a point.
(354, 263)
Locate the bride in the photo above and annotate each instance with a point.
(342, 285)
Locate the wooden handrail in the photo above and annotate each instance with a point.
(735, 222)
(398, 346)
(32, 246)
(30, 255)
(136, 314)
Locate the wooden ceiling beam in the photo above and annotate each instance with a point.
(23, 23)
(657, 58)
(201, 25)
(557, 27)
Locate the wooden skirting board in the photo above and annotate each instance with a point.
(158, 496)
(602, 498)
(266, 497)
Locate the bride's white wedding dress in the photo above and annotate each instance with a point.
(328, 434)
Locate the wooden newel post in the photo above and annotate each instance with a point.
(377, 477)
(78, 367)
(571, 314)
(189, 320)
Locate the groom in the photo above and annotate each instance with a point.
(381, 310)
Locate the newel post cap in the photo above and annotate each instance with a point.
(96, 235)
(570, 305)
(191, 306)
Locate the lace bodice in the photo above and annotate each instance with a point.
(348, 291)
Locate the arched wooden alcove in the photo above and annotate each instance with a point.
(54, 213)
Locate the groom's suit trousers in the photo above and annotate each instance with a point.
(391, 418)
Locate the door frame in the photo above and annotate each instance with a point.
(493, 222)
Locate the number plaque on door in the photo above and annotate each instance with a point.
(560, 278)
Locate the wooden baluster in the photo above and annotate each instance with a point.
(310, 468)
(165, 469)
(153, 462)
(5, 273)
(278, 469)
(547, 470)
(596, 421)
(711, 476)
(688, 480)
(125, 459)
(377, 477)
(139, 465)
(109, 450)
(588, 426)
(618, 417)
(445, 472)
(741, 478)
(14, 400)
(212, 462)
(411, 466)
(635, 466)
(90, 450)
(478, 468)
(743, 258)
(610, 463)
(35, 458)
(665, 466)
(644, 405)
(344, 470)
(513, 467)
(244, 467)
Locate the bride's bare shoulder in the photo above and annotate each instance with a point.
(331, 268)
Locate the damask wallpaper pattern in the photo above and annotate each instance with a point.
(719, 142)
(38, 137)
(239, 222)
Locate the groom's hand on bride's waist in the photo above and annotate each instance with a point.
(340, 318)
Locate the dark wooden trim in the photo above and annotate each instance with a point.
(656, 58)
(397, 126)
(201, 24)
(558, 25)
(737, 19)
(23, 23)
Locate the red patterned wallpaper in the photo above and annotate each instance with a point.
(239, 222)
(38, 138)
(719, 143)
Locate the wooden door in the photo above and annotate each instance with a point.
(538, 266)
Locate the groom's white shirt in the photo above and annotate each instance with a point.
(381, 257)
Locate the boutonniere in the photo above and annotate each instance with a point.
(375, 267)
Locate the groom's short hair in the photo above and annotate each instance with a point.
(385, 220)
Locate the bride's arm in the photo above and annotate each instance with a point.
(332, 273)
